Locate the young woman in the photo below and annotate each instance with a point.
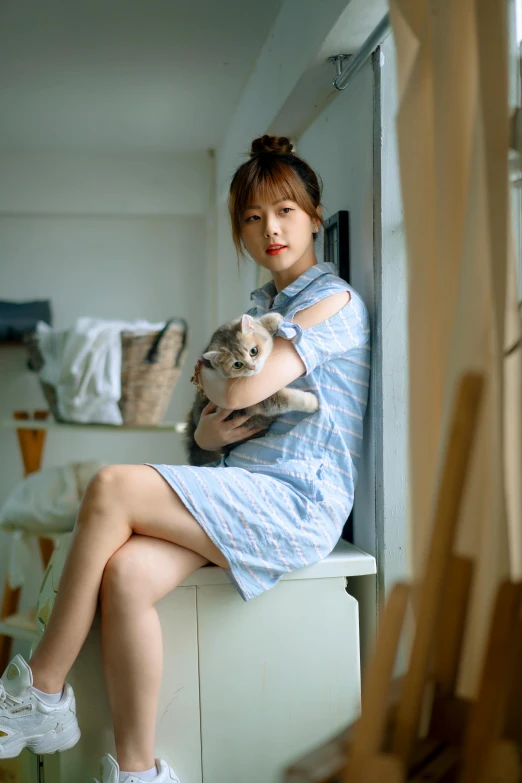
(276, 503)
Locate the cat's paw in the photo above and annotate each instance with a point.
(272, 321)
(310, 402)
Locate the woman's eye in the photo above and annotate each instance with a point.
(253, 351)
(252, 218)
(238, 365)
(286, 210)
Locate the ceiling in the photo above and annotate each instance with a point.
(141, 76)
(315, 88)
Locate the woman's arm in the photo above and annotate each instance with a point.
(282, 367)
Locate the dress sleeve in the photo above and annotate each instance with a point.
(347, 330)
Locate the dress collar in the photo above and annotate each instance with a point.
(263, 296)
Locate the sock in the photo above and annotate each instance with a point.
(149, 774)
(48, 698)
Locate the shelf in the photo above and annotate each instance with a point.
(21, 626)
(51, 424)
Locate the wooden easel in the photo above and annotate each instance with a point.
(31, 446)
(477, 741)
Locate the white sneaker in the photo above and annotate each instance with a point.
(110, 772)
(26, 722)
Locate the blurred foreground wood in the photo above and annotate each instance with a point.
(477, 741)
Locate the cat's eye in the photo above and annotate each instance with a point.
(253, 351)
(238, 365)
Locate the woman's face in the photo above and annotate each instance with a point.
(279, 235)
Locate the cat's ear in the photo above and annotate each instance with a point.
(212, 357)
(247, 324)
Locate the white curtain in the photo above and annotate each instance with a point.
(463, 315)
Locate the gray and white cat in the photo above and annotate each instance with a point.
(238, 349)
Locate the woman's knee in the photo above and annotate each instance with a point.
(126, 577)
(106, 488)
(146, 569)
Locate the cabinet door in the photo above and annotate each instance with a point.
(278, 675)
(23, 769)
(178, 726)
(178, 735)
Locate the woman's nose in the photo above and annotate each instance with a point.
(271, 227)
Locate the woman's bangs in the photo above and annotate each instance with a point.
(276, 184)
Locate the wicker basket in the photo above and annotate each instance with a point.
(150, 367)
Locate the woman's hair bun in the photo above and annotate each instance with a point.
(275, 145)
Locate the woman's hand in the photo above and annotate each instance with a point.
(214, 432)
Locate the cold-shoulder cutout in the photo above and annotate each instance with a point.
(320, 311)
(342, 332)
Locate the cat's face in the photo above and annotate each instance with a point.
(243, 348)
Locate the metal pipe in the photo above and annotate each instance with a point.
(356, 63)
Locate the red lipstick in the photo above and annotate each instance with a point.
(275, 250)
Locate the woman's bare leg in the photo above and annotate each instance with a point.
(120, 500)
(141, 572)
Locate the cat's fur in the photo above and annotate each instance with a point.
(232, 343)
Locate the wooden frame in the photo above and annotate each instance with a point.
(337, 243)
(337, 252)
(467, 741)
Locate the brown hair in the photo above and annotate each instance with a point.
(272, 171)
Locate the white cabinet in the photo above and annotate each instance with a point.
(275, 679)
(246, 687)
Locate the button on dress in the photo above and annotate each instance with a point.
(278, 503)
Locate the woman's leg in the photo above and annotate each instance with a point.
(141, 572)
(119, 501)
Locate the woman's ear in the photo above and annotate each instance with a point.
(317, 224)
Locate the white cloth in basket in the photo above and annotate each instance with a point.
(83, 363)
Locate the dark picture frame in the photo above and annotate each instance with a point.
(337, 252)
(337, 243)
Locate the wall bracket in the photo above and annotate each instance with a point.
(338, 60)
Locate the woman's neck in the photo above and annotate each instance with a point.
(286, 277)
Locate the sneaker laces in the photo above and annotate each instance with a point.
(6, 698)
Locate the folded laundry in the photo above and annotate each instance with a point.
(44, 504)
(83, 363)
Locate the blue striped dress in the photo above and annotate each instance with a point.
(278, 503)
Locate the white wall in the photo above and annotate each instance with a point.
(234, 281)
(339, 146)
(391, 382)
(296, 38)
(113, 238)
(128, 185)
